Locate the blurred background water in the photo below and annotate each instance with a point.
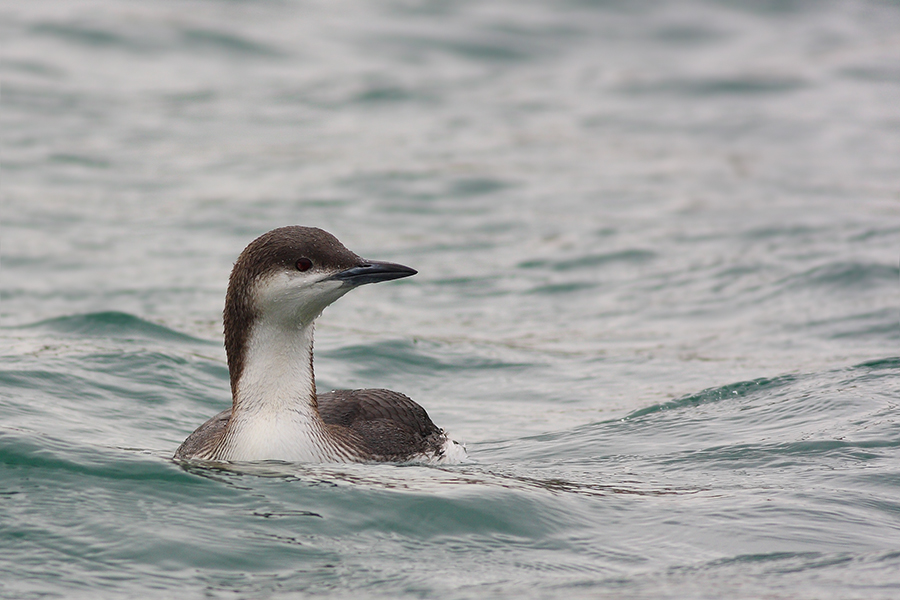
(657, 246)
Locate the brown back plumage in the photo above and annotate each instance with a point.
(389, 423)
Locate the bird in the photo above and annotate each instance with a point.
(279, 285)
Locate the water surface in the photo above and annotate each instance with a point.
(657, 294)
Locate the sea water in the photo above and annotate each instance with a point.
(657, 297)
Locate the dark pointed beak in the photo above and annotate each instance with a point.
(373, 271)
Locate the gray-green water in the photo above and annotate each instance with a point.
(658, 294)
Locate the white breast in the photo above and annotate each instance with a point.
(283, 436)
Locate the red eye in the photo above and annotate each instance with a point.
(304, 264)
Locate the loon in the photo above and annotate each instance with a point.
(279, 285)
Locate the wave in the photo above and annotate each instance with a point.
(835, 415)
(112, 324)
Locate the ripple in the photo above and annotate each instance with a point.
(113, 324)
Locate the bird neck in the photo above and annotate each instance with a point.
(277, 371)
(274, 414)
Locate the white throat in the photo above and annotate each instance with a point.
(274, 415)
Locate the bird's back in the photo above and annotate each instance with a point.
(389, 424)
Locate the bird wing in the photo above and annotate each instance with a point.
(389, 423)
(205, 438)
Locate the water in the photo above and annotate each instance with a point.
(657, 294)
